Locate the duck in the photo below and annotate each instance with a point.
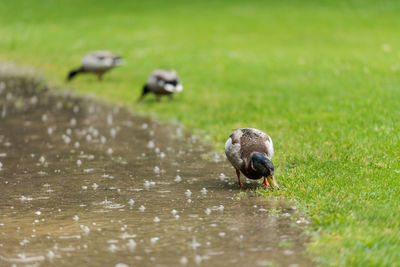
(96, 62)
(250, 152)
(162, 82)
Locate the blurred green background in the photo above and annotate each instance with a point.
(322, 78)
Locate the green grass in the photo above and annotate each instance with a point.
(322, 78)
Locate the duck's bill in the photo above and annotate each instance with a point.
(272, 182)
(179, 88)
(173, 88)
(119, 61)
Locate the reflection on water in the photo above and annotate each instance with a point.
(82, 183)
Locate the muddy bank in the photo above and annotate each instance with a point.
(82, 183)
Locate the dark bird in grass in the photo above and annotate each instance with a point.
(162, 82)
(250, 151)
(96, 62)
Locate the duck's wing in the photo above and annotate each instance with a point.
(165, 75)
(233, 150)
(254, 140)
(100, 60)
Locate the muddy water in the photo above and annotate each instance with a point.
(86, 184)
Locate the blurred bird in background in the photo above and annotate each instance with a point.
(162, 82)
(96, 62)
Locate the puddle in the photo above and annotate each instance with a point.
(82, 183)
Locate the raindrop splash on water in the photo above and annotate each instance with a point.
(148, 184)
(183, 260)
(85, 228)
(178, 178)
(112, 248)
(24, 198)
(113, 132)
(222, 177)
(150, 144)
(75, 109)
(204, 191)
(50, 255)
(194, 244)
(131, 245)
(156, 170)
(154, 239)
(66, 139)
(198, 259)
(109, 119)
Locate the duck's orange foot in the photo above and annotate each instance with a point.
(265, 183)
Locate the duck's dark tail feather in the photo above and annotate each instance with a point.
(144, 92)
(73, 73)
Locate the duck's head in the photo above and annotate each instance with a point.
(173, 86)
(264, 167)
(117, 61)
